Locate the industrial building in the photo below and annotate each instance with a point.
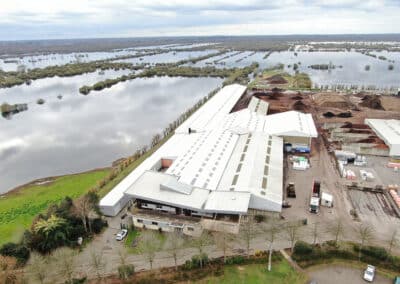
(217, 166)
(389, 131)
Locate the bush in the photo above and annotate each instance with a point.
(195, 262)
(235, 260)
(302, 248)
(20, 252)
(98, 224)
(126, 271)
(79, 280)
(259, 218)
(374, 252)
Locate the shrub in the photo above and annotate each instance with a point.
(235, 260)
(259, 218)
(195, 262)
(98, 224)
(78, 280)
(20, 252)
(374, 252)
(302, 248)
(126, 271)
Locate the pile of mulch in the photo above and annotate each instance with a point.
(299, 105)
(372, 101)
(345, 114)
(298, 97)
(329, 114)
(276, 79)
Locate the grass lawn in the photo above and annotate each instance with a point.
(281, 272)
(134, 234)
(18, 208)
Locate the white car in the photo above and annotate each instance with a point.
(369, 273)
(121, 235)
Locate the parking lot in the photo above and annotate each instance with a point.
(371, 208)
(335, 274)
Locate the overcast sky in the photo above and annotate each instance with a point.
(38, 19)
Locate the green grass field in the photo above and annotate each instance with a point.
(281, 273)
(18, 208)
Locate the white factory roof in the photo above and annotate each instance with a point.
(258, 106)
(227, 202)
(228, 163)
(389, 131)
(291, 123)
(149, 186)
(214, 110)
(176, 145)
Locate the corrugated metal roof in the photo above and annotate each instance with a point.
(389, 131)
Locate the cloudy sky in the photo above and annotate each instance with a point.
(38, 19)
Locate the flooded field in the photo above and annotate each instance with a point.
(77, 133)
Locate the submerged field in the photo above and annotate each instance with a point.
(18, 208)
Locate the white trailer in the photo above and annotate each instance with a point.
(326, 199)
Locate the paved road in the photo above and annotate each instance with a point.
(342, 274)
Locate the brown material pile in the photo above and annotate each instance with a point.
(276, 80)
(372, 101)
(332, 101)
(299, 105)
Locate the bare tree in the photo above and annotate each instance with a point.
(292, 234)
(173, 245)
(365, 233)
(223, 240)
(315, 232)
(8, 274)
(394, 241)
(200, 243)
(83, 206)
(38, 267)
(247, 233)
(97, 262)
(271, 232)
(337, 230)
(122, 254)
(63, 261)
(149, 245)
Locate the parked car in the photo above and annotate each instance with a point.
(121, 235)
(369, 273)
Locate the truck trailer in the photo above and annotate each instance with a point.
(315, 199)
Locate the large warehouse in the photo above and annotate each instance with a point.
(389, 131)
(217, 162)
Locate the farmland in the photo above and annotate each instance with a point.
(18, 208)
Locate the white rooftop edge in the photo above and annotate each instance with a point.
(389, 131)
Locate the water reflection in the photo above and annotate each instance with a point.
(83, 132)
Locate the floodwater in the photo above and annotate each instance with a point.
(168, 57)
(45, 60)
(352, 72)
(78, 133)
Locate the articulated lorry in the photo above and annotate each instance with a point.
(315, 199)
